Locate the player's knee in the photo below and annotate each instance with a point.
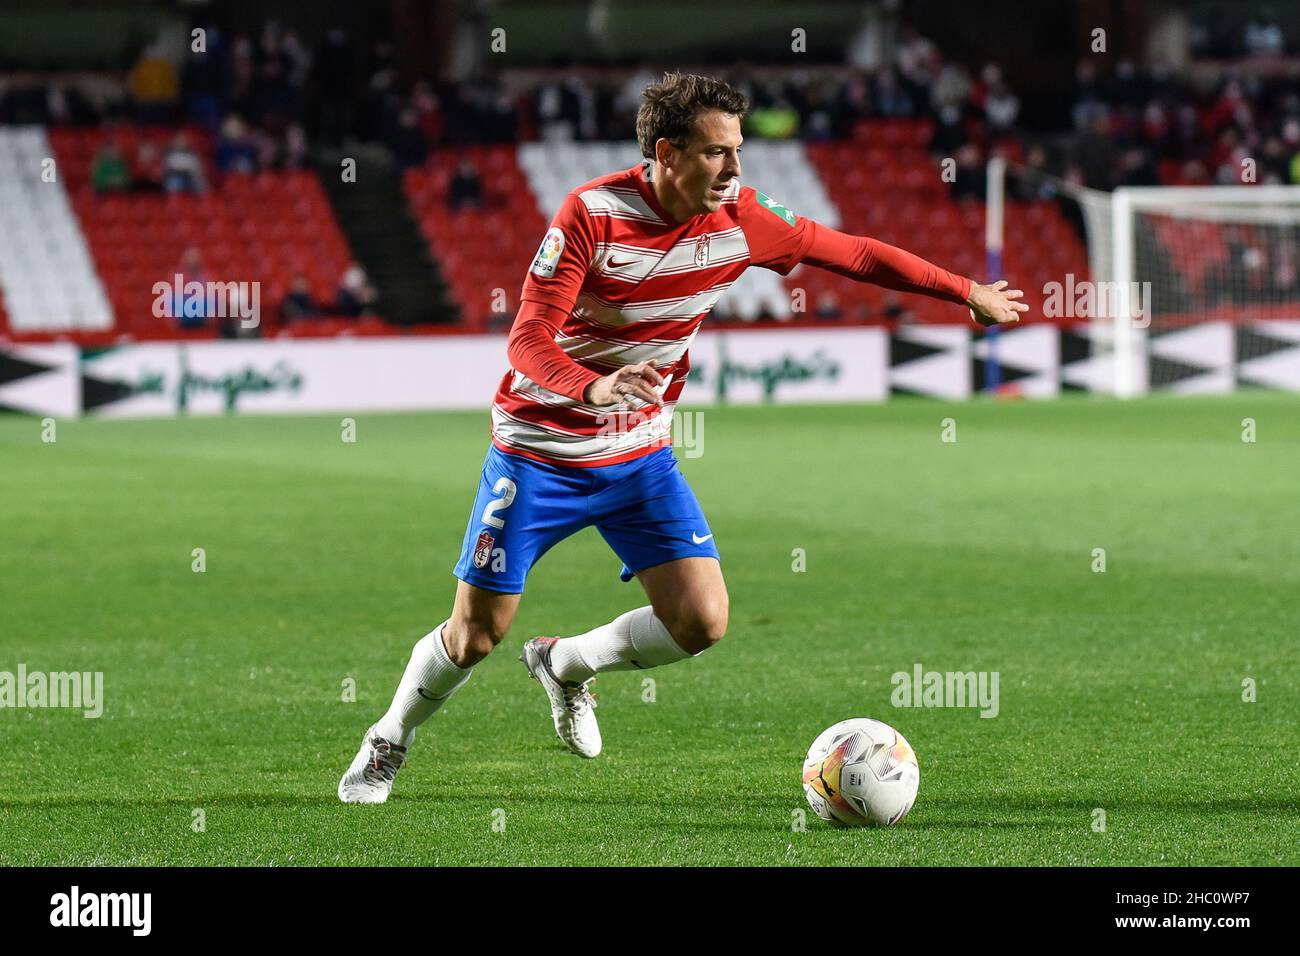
(469, 641)
(701, 626)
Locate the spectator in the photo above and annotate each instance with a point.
(896, 310)
(236, 152)
(428, 109)
(332, 75)
(1001, 109)
(971, 180)
(558, 111)
(182, 168)
(951, 87)
(1033, 183)
(294, 155)
(949, 134)
(189, 311)
(828, 307)
(408, 143)
(299, 302)
(355, 294)
(891, 98)
(240, 88)
(231, 324)
(465, 190)
(778, 121)
(1264, 39)
(202, 79)
(153, 85)
(109, 172)
(147, 173)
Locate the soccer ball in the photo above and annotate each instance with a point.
(860, 773)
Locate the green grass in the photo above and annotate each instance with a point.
(326, 560)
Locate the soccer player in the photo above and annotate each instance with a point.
(631, 265)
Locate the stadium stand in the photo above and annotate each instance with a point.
(862, 153)
(265, 227)
(48, 280)
(886, 186)
(485, 249)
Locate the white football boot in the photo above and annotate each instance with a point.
(572, 704)
(370, 778)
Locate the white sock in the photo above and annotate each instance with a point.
(429, 680)
(633, 641)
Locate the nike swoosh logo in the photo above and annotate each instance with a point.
(618, 265)
(698, 540)
(427, 696)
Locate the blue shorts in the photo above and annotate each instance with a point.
(643, 508)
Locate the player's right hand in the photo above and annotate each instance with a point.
(630, 381)
(995, 304)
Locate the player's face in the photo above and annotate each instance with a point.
(703, 170)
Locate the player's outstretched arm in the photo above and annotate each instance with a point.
(869, 260)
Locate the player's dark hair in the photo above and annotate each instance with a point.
(669, 108)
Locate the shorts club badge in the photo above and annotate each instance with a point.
(483, 549)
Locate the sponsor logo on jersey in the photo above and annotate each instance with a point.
(483, 550)
(774, 207)
(548, 255)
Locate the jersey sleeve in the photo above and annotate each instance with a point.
(777, 238)
(533, 351)
(561, 264)
(869, 260)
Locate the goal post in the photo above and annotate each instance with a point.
(1204, 283)
(1218, 272)
(994, 208)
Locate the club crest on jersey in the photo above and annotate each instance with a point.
(483, 549)
(702, 252)
(548, 255)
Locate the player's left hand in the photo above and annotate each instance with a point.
(995, 304)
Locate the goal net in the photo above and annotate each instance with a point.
(1209, 278)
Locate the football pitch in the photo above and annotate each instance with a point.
(1146, 715)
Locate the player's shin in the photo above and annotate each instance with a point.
(633, 641)
(431, 677)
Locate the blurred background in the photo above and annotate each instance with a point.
(388, 169)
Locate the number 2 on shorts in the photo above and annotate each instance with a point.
(499, 504)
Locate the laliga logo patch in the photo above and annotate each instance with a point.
(483, 549)
(548, 256)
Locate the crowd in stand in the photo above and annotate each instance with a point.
(259, 97)
(1148, 127)
(354, 297)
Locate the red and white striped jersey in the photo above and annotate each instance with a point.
(636, 286)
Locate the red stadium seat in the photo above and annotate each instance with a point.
(240, 227)
(479, 250)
